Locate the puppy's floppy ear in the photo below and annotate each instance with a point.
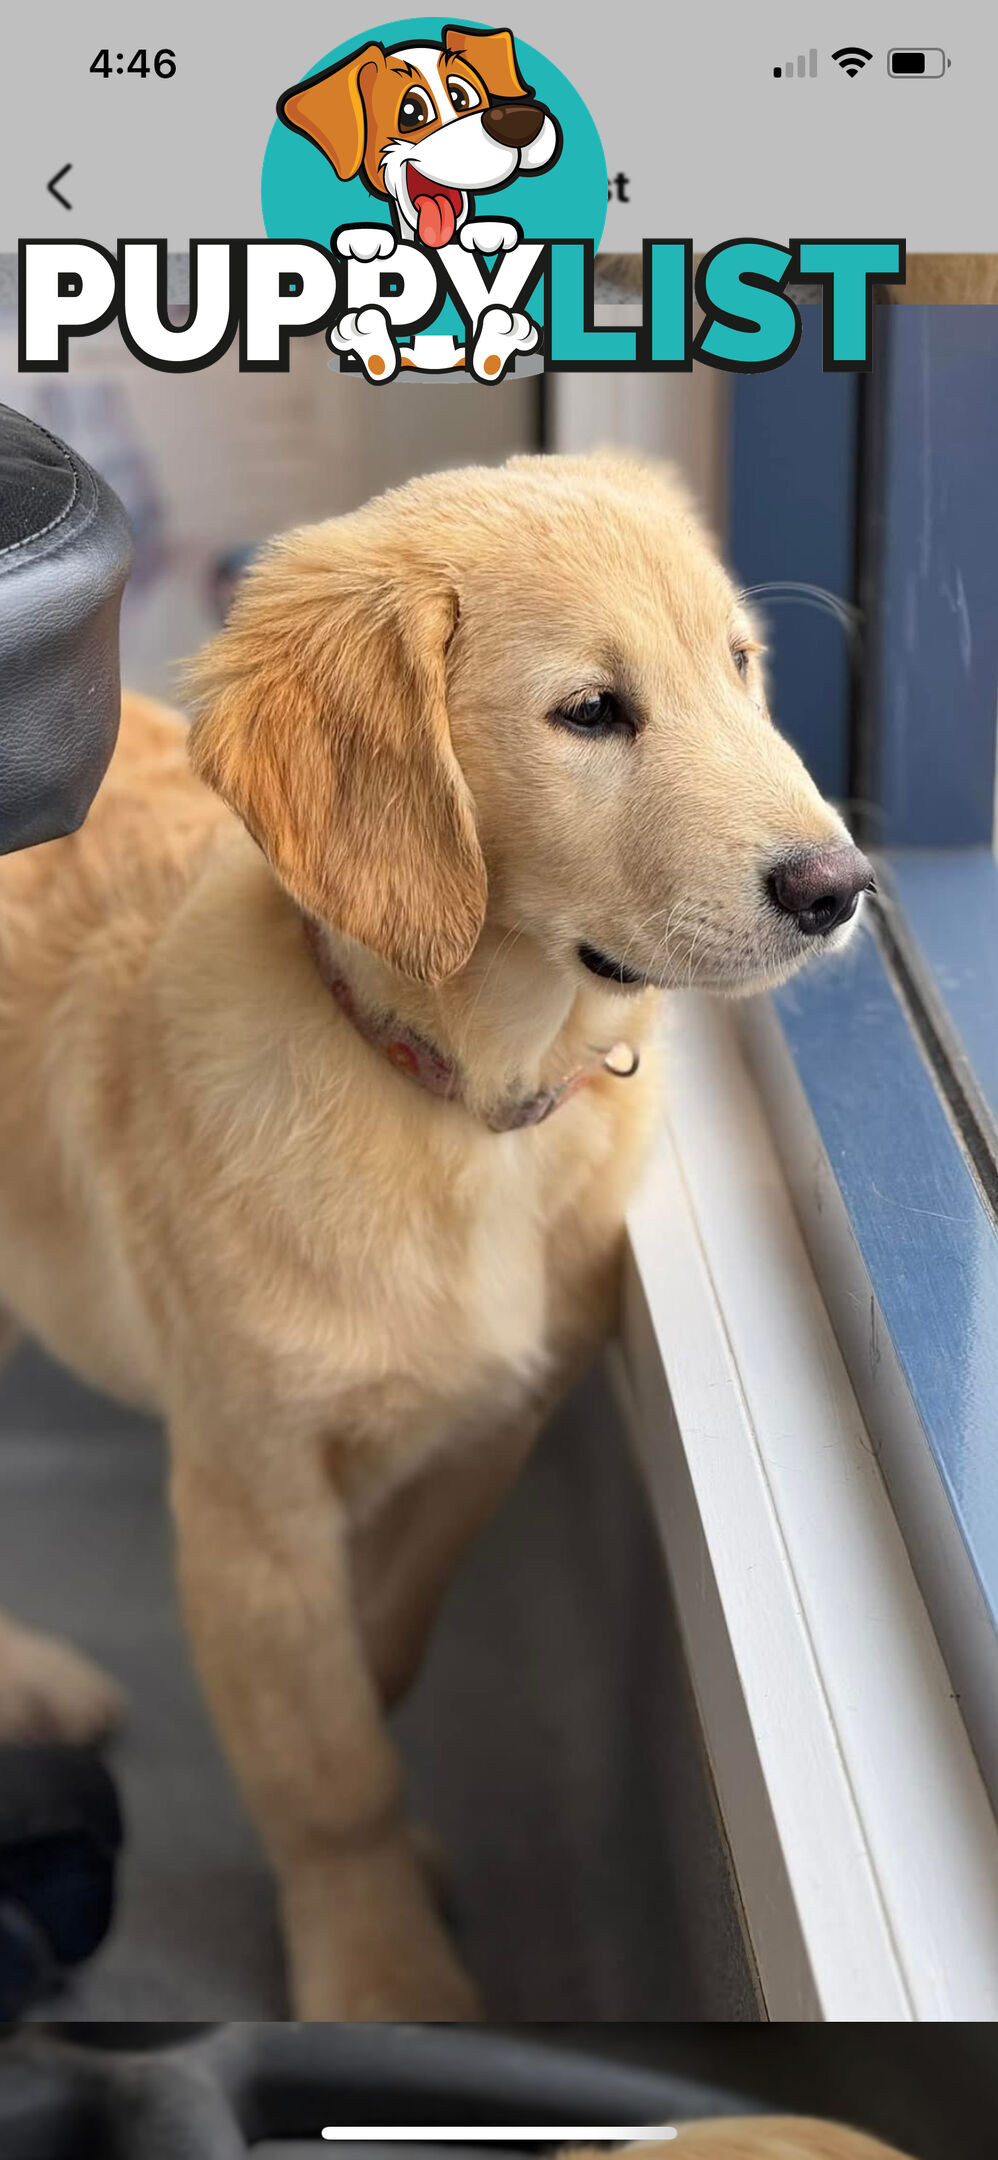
(331, 109)
(323, 724)
(492, 54)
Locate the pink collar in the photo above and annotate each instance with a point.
(417, 1057)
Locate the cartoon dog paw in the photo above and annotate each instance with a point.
(366, 333)
(489, 236)
(364, 243)
(500, 335)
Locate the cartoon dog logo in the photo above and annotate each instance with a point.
(429, 127)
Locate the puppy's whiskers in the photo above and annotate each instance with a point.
(639, 931)
(681, 918)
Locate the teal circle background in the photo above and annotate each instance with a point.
(302, 199)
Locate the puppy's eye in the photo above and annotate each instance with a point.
(598, 713)
(414, 112)
(740, 656)
(463, 95)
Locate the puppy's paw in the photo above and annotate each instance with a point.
(500, 335)
(364, 243)
(367, 333)
(51, 1692)
(489, 236)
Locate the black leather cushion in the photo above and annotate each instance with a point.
(245, 2089)
(60, 1829)
(65, 552)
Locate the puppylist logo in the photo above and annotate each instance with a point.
(439, 134)
(433, 196)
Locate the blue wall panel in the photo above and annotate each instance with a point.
(793, 511)
(931, 577)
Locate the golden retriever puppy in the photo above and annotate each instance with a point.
(760, 2137)
(328, 1063)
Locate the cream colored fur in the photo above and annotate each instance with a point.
(351, 1302)
(761, 2137)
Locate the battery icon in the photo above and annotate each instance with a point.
(915, 62)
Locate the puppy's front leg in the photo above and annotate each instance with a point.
(405, 1554)
(266, 1586)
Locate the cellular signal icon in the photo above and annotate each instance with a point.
(851, 58)
(808, 66)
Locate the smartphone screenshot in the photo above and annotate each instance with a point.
(498, 1083)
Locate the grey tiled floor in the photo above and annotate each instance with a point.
(549, 1739)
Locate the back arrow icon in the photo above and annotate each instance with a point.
(53, 188)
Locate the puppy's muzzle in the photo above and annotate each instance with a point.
(514, 126)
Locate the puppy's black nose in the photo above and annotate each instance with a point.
(820, 886)
(514, 126)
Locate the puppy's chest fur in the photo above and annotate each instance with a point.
(487, 1299)
(438, 1280)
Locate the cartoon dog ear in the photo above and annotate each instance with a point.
(323, 724)
(331, 109)
(492, 54)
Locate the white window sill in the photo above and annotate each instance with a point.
(863, 1843)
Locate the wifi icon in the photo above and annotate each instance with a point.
(850, 58)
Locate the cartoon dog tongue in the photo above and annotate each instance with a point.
(436, 220)
(436, 209)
